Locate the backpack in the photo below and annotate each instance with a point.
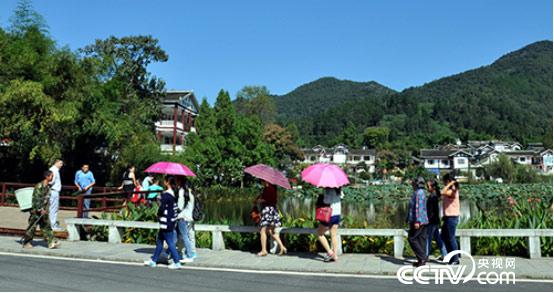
(197, 213)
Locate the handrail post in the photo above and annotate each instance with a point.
(217, 240)
(399, 244)
(79, 206)
(4, 190)
(104, 204)
(534, 246)
(465, 243)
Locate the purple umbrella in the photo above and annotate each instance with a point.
(268, 174)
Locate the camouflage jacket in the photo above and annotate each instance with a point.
(41, 194)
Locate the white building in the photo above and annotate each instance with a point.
(180, 109)
(341, 155)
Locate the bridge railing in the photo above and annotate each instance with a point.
(115, 230)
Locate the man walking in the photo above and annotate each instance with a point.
(84, 180)
(39, 213)
(56, 187)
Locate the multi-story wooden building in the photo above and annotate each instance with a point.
(180, 109)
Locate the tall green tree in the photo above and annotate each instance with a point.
(256, 101)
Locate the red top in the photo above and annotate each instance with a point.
(269, 195)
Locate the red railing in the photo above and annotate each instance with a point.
(69, 201)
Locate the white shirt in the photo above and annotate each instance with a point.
(186, 211)
(56, 181)
(331, 197)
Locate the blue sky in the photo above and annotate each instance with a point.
(283, 44)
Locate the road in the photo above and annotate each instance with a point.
(22, 273)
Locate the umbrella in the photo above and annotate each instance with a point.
(325, 175)
(268, 174)
(170, 168)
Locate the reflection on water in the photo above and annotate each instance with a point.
(373, 214)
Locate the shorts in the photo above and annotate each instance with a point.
(335, 220)
(270, 217)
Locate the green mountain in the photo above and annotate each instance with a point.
(508, 99)
(325, 93)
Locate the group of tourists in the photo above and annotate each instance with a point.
(269, 219)
(424, 218)
(177, 211)
(46, 202)
(176, 219)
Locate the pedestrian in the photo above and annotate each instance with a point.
(331, 198)
(269, 218)
(185, 204)
(148, 180)
(417, 219)
(84, 180)
(434, 219)
(167, 213)
(153, 196)
(39, 213)
(451, 213)
(129, 182)
(56, 187)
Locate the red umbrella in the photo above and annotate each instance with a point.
(268, 174)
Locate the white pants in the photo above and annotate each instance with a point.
(54, 205)
(192, 236)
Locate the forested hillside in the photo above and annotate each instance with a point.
(509, 99)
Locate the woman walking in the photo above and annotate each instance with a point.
(434, 219)
(269, 218)
(331, 198)
(417, 219)
(167, 213)
(184, 204)
(451, 211)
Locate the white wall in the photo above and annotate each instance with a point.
(461, 163)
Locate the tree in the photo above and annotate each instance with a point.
(350, 136)
(256, 101)
(376, 136)
(286, 151)
(226, 143)
(25, 18)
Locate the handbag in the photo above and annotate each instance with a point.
(323, 214)
(255, 215)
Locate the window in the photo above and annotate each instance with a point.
(430, 162)
(445, 162)
(461, 161)
(522, 159)
(356, 158)
(312, 158)
(367, 158)
(168, 140)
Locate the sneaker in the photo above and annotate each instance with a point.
(193, 255)
(54, 244)
(150, 263)
(329, 258)
(174, 266)
(28, 245)
(455, 263)
(186, 260)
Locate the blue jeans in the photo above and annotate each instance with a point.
(183, 235)
(433, 233)
(448, 235)
(169, 237)
(86, 203)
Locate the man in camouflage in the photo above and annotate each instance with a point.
(39, 214)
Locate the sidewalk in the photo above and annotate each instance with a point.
(369, 264)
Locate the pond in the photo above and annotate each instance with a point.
(370, 214)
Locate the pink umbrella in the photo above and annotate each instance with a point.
(170, 168)
(325, 175)
(268, 174)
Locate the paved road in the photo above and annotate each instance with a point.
(21, 273)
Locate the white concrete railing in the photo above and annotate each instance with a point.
(115, 231)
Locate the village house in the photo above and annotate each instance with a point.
(179, 111)
(482, 153)
(341, 155)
